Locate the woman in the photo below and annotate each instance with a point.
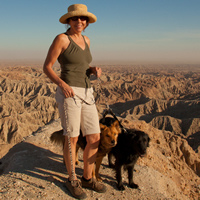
(74, 95)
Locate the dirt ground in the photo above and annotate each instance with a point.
(34, 169)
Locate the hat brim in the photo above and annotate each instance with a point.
(92, 18)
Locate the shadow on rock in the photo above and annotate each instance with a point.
(34, 161)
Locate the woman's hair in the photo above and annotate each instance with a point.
(68, 26)
(68, 19)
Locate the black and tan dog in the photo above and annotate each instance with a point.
(108, 140)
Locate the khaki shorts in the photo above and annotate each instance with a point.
(78, 112)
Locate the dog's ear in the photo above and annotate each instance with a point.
(103, 127)
(117, 126)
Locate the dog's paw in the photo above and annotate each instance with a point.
(77, 162)
(133, 185)
(120, 187)
(99, 179)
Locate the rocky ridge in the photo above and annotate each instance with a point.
(161, 101)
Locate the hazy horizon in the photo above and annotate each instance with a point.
(125, 32)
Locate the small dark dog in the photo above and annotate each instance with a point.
(131, 145)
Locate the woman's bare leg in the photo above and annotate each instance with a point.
(90, 153)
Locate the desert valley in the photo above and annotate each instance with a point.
(161, 100)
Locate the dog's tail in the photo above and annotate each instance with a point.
(58, 137)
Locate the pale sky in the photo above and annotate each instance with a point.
(126, 31)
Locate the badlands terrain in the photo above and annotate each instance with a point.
(161, 100)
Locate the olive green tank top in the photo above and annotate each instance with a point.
(74, 62)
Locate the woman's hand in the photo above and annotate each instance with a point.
(96, 71)
(67, 90)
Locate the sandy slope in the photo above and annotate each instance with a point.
(34, 169)
(163, 101)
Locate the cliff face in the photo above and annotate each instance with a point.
(161, 101)
(27, 102)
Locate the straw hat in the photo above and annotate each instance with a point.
(78, 10)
